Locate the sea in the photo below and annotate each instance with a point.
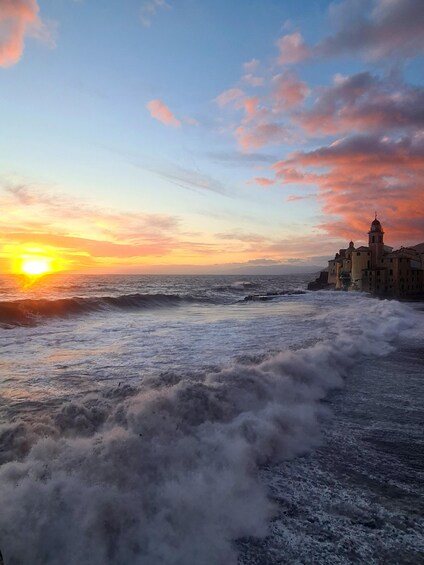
(208, 420)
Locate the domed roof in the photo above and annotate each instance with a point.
(375, 225)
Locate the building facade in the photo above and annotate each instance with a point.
(378, 268)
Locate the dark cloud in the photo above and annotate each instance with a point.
(364, 102)
(390, 30)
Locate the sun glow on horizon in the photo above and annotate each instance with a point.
(36, 266)
(36, 262)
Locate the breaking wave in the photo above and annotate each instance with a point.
(29, 312)
(237, 286)
(167, 474)
(271, 295)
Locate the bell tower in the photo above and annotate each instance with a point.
(375, 242)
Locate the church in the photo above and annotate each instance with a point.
(377, 268)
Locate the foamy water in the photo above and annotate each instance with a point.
(188, 420)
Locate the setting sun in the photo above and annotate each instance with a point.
(35, 261)
(36, 266)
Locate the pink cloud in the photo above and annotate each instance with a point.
(251, 107)
(260, 134)
(252, 80)
(288, 91)
(18, 19)
(293, 49)
(263, 181)
(161, 112)
(296, 198)
(229, 96)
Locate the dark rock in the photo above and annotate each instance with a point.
(321, 283)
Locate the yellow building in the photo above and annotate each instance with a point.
(377, 268)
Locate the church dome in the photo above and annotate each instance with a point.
(376, 226)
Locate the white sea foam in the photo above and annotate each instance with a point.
(168, 474)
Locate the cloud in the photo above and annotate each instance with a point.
(149, 10)
(256, 127)
(378, 30)
(235, 158)
(359, 174)
(282, 250)
(263, 181)
(161, 112)
(56, 207)
(93, 247)
(192, 180)
(81, 232)
(393, 28)
(229, 96)
(252, 80)
(296, 198)
(293, 49)
(19, 19)
(190, 121)
(261, 134)
(85, 236)
(251, 66)
(373, 122)
(263, 262)
(288, 91)
(266, 118)
(365, 102)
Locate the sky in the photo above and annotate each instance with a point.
(207, 136)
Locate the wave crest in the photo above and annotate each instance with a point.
(29, 312)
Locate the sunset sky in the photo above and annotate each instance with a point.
(153, 136)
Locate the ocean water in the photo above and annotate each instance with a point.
(154, 420)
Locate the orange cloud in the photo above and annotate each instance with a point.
(263, 181)
(18, 19)
(82, 233)
(83, 236)
(362, 174)
(161, 112)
